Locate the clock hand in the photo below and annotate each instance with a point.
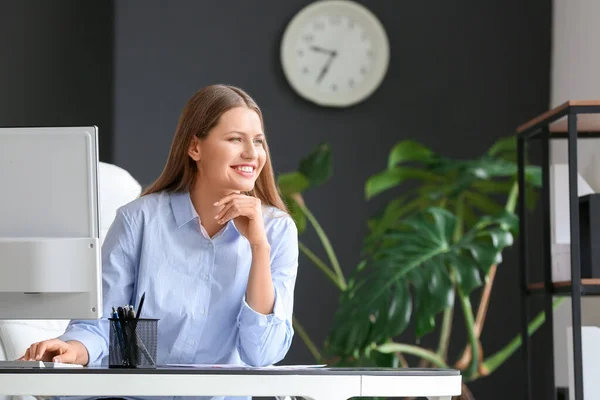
(322, 50)
(326, 67)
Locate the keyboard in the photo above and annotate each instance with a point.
(36, 364)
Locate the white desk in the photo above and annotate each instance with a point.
(312, 384)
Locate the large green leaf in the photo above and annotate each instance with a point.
(421, 254)
(408, 150)
(533, 175)
(503, 146)
(465, 275)
(317, 165)
(395, 209)
(397, 314)
(292, 182)
(388, 179)
(486, 168)
(433, 293)
(482, 202)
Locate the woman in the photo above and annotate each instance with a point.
(210, 243)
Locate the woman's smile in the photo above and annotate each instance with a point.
(245, 170)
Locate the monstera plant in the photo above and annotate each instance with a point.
(428, 250)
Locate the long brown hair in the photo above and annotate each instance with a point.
(200, 114)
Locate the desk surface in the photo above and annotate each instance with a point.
(168, 370)
(310, 383)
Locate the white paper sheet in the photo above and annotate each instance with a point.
(233, 367)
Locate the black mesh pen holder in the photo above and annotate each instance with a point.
(132, 343)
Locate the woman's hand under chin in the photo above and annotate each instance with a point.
(246, 212)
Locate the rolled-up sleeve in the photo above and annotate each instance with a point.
(118, 276)
(266, 339)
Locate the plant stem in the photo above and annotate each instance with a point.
(402, 360)
(306, 339)
(445, 332)
(511, 203)
(326, 244)
(498, 358)
(414, 350)
(485, 301)
(321, 265)
(470, 325)
(460, 217)
(449, 312)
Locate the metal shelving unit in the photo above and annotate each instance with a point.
(571, 120)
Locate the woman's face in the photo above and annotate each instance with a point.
(232, 155)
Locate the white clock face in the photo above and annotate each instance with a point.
(335, 52)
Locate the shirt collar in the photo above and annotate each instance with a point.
(184, 211)
(182, 207)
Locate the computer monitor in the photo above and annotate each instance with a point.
(50, 266)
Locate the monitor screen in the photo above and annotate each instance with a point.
(50, 265)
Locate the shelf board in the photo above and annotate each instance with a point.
(588, 287)
(585, 122)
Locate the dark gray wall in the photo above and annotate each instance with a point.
(461, 75)
(56, 65)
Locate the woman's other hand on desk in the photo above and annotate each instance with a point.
(55, 350)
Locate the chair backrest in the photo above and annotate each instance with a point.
(116, 188)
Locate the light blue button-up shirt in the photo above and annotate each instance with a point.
(194, 285)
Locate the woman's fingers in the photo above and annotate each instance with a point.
(25, 356)
(33, 351)
(235, 205)
(43, 349)
(246, 210)
(228, 198)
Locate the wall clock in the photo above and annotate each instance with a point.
(335, 53)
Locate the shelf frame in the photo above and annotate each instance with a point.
(550, 125)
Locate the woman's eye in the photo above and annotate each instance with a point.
(259, 141)
(233, 139)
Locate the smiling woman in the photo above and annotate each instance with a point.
(214, 228)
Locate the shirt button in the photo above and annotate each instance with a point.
(202, 311)
(205, 277)
(190, 342)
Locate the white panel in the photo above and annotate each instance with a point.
(42, 171)
(590, 348)
(49, 224)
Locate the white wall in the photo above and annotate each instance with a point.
(576, 54)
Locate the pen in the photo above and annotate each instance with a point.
(139, 311)
(118, 329)
(126, 340)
